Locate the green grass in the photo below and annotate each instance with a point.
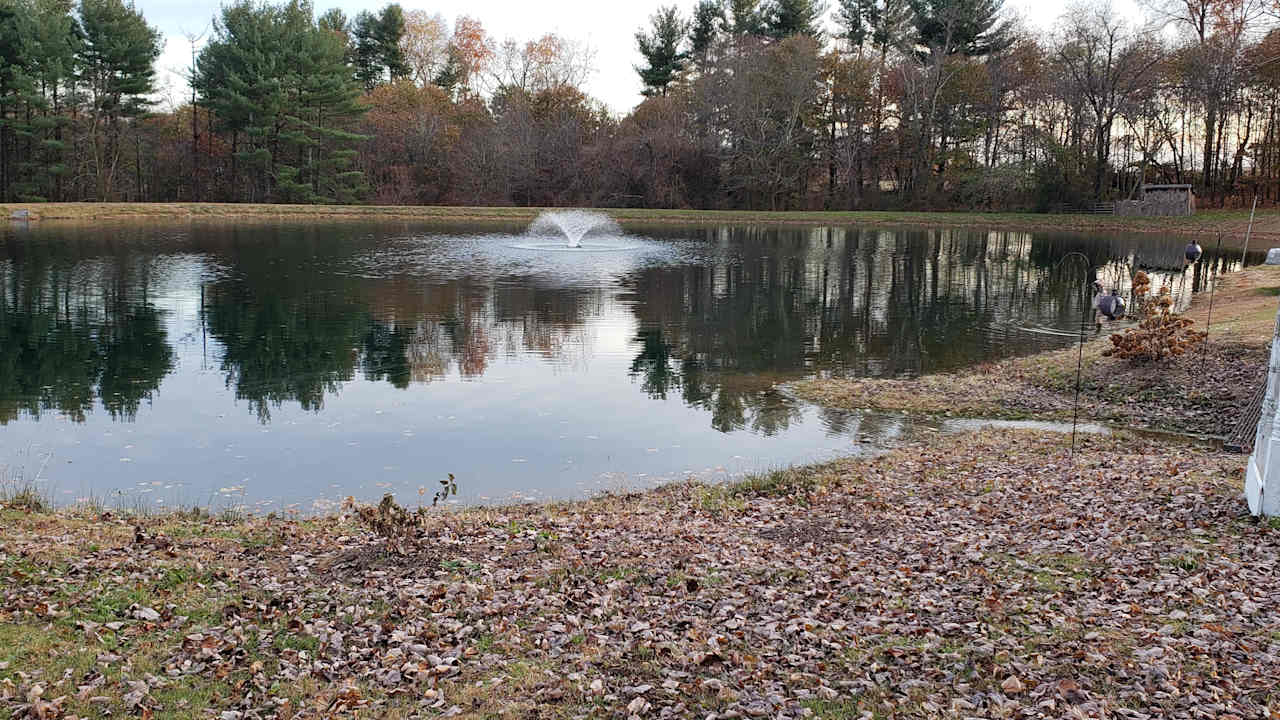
(784, 482)
(1268, 291)
(1183, 562)
(834, 709)
(285, 640)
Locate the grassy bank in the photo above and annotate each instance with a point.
(987, 576)
(1202, 392)
(1206, 223)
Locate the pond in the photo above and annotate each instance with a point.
(288, 366)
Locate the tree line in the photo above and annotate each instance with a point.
(759, 104)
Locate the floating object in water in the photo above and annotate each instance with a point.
(1193, 251)
(1273, 256)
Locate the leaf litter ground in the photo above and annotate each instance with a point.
(988, 575)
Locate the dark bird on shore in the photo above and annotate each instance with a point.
(1194, 251)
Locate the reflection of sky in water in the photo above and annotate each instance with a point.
(293, 365)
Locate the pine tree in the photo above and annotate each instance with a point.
(279, 83)
(784, 18)
(746, 16)
(364, 50)
(117, 67)
(319, 94)
(375, 41)
(883, 23)
(453, 73)
(661, 50)
(967, 27)
(708, 22)
(53, 42)
(390, 33)
(335, 21)
(237, 78)
(15, 88)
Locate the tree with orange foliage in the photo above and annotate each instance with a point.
(425, 45)
(471, 51)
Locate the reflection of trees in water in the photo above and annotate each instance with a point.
(285, 345)
(736, 400)
(72, 334)
(464, 325)
(780, 303)
(299, 340)
(1114, 260)
(766, 305)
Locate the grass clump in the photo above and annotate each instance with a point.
(25, 496)
(791, 482)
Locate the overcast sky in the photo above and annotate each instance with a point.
(607, 26)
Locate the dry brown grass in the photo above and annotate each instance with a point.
(1230, 222)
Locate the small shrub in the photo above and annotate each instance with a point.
(1161, 335)
(392, 522)
(1141, 292)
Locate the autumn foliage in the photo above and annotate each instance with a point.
(1162, 334)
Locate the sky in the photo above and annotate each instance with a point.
(607, 26)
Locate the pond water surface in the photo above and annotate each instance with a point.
(289, 366)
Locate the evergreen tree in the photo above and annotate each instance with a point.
(318, 93)
(279, 84)
(236, 77)
(883, 23)
(53, 42)
(708, 22)
(452, 74)
(117, 67)
(376, 52)
(15, 87)
(784, 18)
(363, 50)
(967, 27)
(390, 34)
(335, 21)
(746, 16)
(661, 50)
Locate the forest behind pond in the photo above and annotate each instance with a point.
(780, 104)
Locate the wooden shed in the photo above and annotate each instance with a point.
(1160, 201)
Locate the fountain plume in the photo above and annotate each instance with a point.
(573, 225)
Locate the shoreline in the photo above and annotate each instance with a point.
(1198, 394)
(1232, 223)
(956, 575)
